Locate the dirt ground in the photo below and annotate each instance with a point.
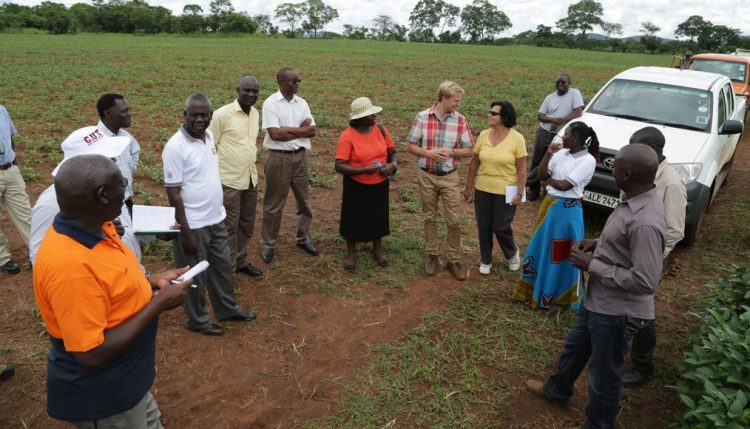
(290, 365)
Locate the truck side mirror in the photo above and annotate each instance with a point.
(731, 127)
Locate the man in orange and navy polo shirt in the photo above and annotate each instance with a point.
(98, 307)
(438, 136)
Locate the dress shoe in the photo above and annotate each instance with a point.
(212, 331)
(242, 317)
(537, 388)
(7, 371)
(250, 271)
(457, 271)
(10, 267)
(308, 248)
(635, 378)
(432, 265)
(266, 255)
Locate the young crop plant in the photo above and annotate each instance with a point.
(715, 382)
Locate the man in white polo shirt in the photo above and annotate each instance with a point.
(83, 141)
(235, 129)
(191, 175)
(289, 126)
(114, 117)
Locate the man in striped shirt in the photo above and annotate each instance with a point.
(438, 137)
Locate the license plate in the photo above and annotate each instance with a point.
(600, 199)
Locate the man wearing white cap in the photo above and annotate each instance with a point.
(83, 141)
(12, 192)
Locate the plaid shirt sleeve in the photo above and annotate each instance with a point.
(465, 139)
(416, 133)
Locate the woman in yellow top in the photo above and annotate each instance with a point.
(499, 167)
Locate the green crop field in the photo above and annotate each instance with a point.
(460, 361)
(50, 84)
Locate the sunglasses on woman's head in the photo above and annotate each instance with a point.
(494, 113)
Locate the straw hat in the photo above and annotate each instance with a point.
(362, 107)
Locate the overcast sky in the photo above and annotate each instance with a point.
(524, 14)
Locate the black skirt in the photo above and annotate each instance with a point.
(364, 211)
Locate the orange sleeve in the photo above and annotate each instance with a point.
(81, 308)
(344, 148)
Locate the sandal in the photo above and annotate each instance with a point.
(381, 263)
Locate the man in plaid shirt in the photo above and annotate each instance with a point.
(438, 137)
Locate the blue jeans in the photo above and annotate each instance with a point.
(598, 339)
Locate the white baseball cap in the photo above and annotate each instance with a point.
(91, 141)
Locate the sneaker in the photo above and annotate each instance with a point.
(485, 268)
(432, 265)
(456, 270)
(514, 263)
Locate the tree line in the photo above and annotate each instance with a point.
(431, 21)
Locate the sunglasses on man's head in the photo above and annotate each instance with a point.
(295, 81)
(561, 81)
(494, 113)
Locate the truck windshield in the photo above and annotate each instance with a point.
(733, 70)
(655, 103)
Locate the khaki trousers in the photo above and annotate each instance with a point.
(240, 221)
(447, 190)
(14, 199)
(284, 171)
(145, 415)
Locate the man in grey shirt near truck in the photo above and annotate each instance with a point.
(557, 109)
(624, 265)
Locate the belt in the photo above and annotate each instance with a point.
(437, 173)
(8, 165)
(298, 150)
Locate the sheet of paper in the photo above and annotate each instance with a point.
(511, 191)
(191, 273)
(153, 220)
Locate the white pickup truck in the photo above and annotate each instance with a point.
(699, 116)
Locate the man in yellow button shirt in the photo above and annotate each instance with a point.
(235, 129)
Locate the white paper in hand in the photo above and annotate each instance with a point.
(511, 191)
(197, 269)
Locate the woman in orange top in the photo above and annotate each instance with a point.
(366, 157)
